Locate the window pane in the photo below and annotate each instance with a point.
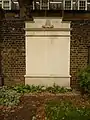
(6, 8)
(0, 3)
(44, 4)
(56, 4)
(16, 5)
(82, 5)
(48, 4)
(6, 5)
(68, 5)
(37, 4)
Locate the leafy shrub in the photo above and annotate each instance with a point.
(32, 88)
(84, 79)
(65, 111)
(28, 88)
(57, 89)
(9, 97)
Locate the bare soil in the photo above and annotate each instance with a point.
(33, 106)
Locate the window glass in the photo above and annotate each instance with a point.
(44, 4)
(82, 5)
(0, 3)
(67, 4)
(36, 4)
(47, 4)
(56, 4)
(6, 5)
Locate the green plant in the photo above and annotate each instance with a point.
(21, 88)
(28, 88)
(65, 111)
(33, 88)
(57, 89)
(84, 79)
(9, 97)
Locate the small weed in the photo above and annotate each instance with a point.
(64, 110)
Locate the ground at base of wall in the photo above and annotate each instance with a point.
(32, 106)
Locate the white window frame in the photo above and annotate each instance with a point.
(71, 4)
(9, 4)
(33, 5)
(48, 4)
(79, 4)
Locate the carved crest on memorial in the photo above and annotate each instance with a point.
(48, 24)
